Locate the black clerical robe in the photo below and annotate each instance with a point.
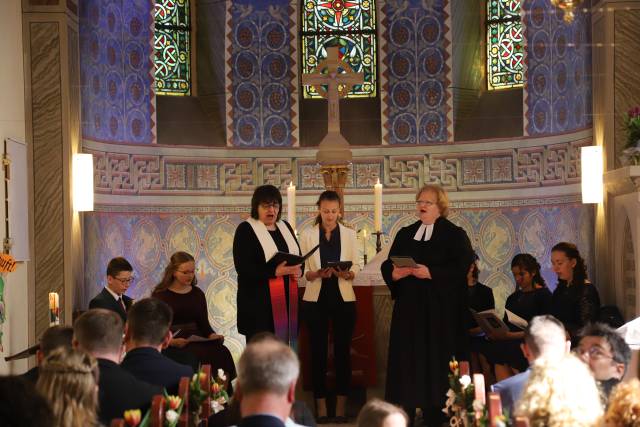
(430, 316)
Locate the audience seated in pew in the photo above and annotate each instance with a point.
(99, 332)
(607, 355)
(146, 334)
(68, 380)
(52, 338)
(21, 405)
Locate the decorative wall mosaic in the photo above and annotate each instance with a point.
(558, 57)
(148, 236)
(116, 69)
(261, 66)
(416, 98)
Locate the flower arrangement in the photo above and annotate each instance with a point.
(631, 153)
(172, 409)
(199, 394)
(219, 396)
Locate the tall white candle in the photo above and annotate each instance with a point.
(291, 205)
(377, 206)
(478, 383)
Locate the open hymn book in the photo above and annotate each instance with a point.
(489, 321)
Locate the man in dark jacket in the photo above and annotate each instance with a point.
(112, 297)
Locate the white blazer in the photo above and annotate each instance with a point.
(348, 252)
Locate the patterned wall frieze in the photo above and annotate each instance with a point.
(203, 172)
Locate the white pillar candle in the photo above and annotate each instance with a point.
(291, 205)
(377, 206)
(478, 384)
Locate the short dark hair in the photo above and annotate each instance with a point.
(99, 330)
(21, 405)
(619, 349)
(149, 320)
(55, 337)
(265, 194)
(118, 264)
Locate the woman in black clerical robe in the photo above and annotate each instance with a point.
(429, 323)
(575, 300)
(531, 298)
(267, 298)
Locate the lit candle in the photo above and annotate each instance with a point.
(377, 206)
(291, 205)
(54, 309)
(495, 408)
(478, 384)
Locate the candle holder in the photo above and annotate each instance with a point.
(364, 244)
(378, 241)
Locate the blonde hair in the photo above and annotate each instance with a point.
(442, 200)
(68, 381)
(376, 411)
(624, 405)
(560, 393)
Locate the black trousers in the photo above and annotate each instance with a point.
(342, 316)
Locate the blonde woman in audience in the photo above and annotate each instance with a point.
(624, 405)
(561, 393)
(68, 382)
(378, 413)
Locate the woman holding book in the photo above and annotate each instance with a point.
(531, 298)
(267, 298)
(190, 315)
(329, 297)
(430, 317)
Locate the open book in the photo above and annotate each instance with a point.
(516, 320)
(198, 338)
(489, 321)
(291, 259)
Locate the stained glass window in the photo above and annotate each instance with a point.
(172, 47)
(505, 50)
(349, 24)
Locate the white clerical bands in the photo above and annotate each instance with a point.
(424, 232)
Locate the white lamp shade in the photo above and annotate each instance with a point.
(82, 182)
(592, 174)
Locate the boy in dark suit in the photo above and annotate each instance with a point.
(112, 297)
(146, 334)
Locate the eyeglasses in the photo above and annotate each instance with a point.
(593, 353)
(270, 205)
(427, 203)
(125, 279)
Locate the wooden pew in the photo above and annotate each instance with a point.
(183, 392)
(157, 411)
(205, 383)
(117, 422)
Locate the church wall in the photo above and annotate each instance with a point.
(116, 66)
(558, 70)
(14, 308)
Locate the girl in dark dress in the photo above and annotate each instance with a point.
(429, 323)
(190, 315)
(531, 298)
(480, 299)
(575, 300)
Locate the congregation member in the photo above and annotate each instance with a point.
(480, 299)
(575, 300)
(430, 316)
(68, 381)
(329, 298)
(21, 405)
(624, 405)
(267, 298)
(560, 393)
(378, 413)
(531, 298)
(53, 337)
(179, 290)
(146, 334)
(267, 374)
(607, 355)
(112, 297)
(99, 332)
(544, 338)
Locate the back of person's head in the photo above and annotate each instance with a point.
(148, 321)
(560, 393)
(620, 351)
(21, 405)
(99, 331)
(624, 405)
(116, 265)
(68, 381)
(378, 413)
(267, 366)
(546, 337)
(54, 337)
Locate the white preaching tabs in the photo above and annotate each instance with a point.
(424, 230)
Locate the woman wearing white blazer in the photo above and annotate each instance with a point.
(329, 297)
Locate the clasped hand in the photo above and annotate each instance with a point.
(421, 272)
(325, 273)
(288, 270)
